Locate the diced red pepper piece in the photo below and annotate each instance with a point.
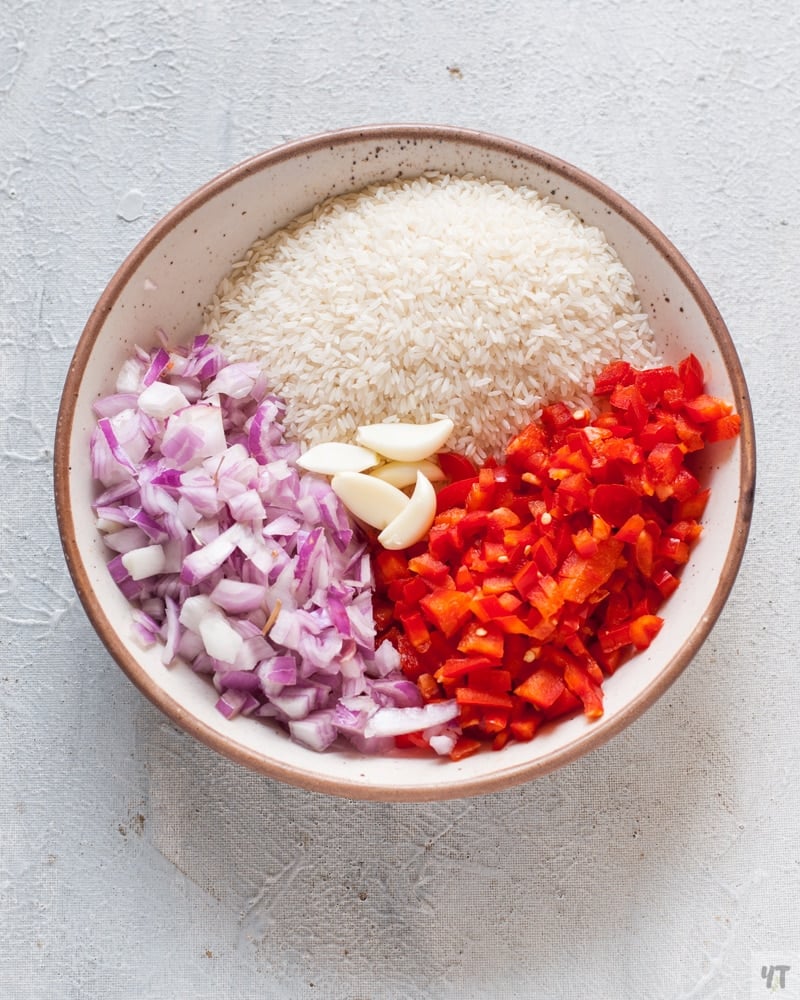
(579, 578)
(601, 529)
(614, 637)
(661, 431)
(528, 451)
(543, 556)
(581, 685)
(692, 376)
(689, 434)
(644, 552)
(524, 730)
(565, 704)
(464, 579)
(494, 680)
(497, 584)
(428, 686)
(674, 549)
(547, 596)
(411, 741)
(409, 660)
(447, 609)
(557, 417)
(486, 608)
(465, 747)
(664, 463)
(703, 409)
(429, 568)
(573, 492)
(629, 400)
(454, 494)
(482, 640)
(526, 579)
(471, 696)
(622, 449)
(494, 721)
(542, 688)
(459, 666)
(667, 583)
(694, 507)
(416, 631)
(455, 466)
(615, 503)
(514, 625)
(644, 629)
(390, 565)
(585, 543)
(614, 374)
(501, 739)
(724, 428)
(411, 591)
(653, 382)
(630, 530)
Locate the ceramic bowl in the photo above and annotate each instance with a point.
(172, 273)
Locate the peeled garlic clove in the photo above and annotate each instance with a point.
(369, 499)
(402, 474)
(405, 442)
(412, 523)
(334, 456)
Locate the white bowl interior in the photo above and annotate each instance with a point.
(171, 276)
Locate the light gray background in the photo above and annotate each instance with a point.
(134, 862)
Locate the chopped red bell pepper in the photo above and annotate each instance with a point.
(542, 688)
(448, 610)
(543, 573)
(692, 376)
(455, 466)
(454, 494)
(614, 374)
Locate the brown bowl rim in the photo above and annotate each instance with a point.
(503, 777)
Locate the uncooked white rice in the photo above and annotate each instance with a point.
(435, 296)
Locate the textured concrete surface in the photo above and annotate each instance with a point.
(136, 863)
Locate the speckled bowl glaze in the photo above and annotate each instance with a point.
(172, 273)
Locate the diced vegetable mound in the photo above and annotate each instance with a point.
(240, 565)
(541, 574)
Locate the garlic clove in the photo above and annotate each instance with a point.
(334, 456)
(369, 499)
(405, 442)
(402, 474)
(413, 522)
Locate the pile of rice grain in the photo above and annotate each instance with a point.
(440, 295)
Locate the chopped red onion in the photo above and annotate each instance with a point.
(242, 565)
(158, 363)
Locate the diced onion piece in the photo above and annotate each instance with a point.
(237, 597)
(443, 743)
(204, 561)
(402, 474)
(405, 442)
(144, 562)
(161, 400)
(369, 499)
(194, 434)
(194, 609)
(316, 730)
(414, 521)
(334, 457)
(399, 721)
(220, 638)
